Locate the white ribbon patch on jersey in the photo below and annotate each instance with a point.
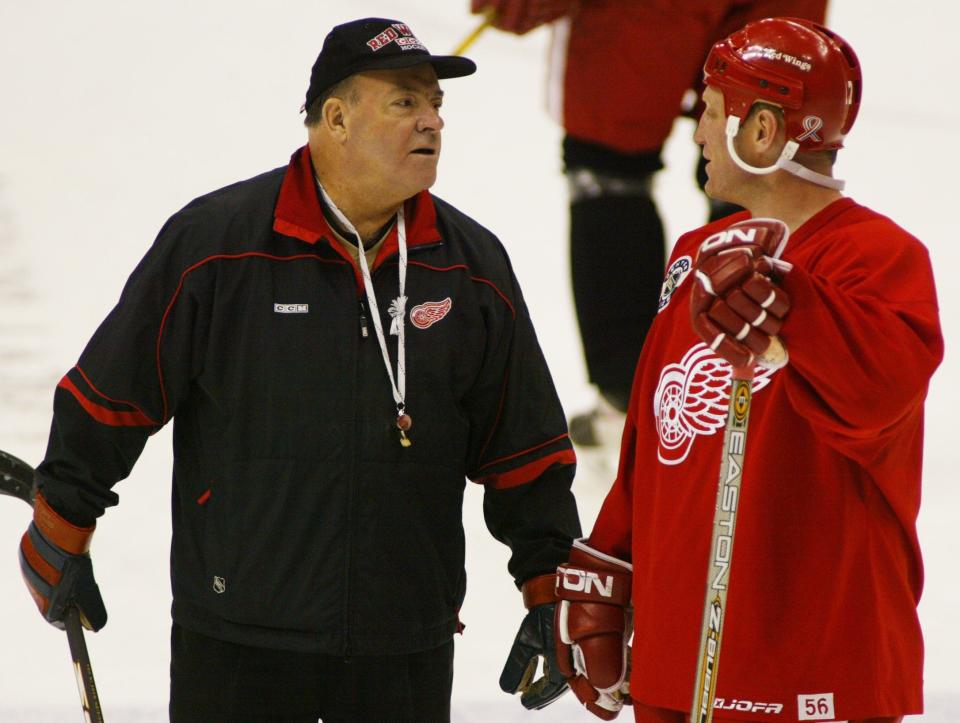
(691, 400)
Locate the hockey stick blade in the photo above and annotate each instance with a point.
(17, 480)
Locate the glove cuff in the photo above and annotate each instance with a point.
(598, 556)
(65, 535)
(539, 590)
(593, 576)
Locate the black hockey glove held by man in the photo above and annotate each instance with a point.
(55, 563)
(535, 640)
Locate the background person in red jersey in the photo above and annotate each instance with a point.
(622, 72)
(834, 307)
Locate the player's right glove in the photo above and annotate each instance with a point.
(736, 306)
(521, 16)
(55, 563)
(594, 623)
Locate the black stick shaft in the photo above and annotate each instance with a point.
(86, 685)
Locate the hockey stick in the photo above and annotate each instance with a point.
(16, 480)
(488, 16)
(721, 545)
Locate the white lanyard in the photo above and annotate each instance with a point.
(397, 311)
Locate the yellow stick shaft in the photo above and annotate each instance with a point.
(487, 21)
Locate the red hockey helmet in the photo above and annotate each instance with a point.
(802, 67)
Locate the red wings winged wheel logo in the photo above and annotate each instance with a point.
(425, 315)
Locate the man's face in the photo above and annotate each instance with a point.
(722, 173)
(393, 130)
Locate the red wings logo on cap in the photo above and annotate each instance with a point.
(398, 33)
(425, 315)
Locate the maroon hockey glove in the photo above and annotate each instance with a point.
(521, 16)
(55, 563)
(736, 306)
(534, 641)
(593, 628)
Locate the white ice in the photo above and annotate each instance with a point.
(114, 114)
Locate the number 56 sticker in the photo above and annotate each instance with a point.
(815, 706)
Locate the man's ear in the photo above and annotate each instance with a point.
(767, 133)
(333, 117)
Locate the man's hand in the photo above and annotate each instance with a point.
(534, 641)
(736, 306)
(521, 16)
(593, 628)
(55, 563)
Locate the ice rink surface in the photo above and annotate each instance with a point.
(115, 114)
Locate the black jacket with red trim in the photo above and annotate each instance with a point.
(299, 521)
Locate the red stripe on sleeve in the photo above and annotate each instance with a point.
(529, 472)
(111, 399)
(104, 415)
(528, 451)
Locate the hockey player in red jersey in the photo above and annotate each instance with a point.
(833, 306)
(618, 83)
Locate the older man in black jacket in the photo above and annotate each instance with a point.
(339, 350)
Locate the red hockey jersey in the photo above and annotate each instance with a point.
(621, 68)
(826, 574)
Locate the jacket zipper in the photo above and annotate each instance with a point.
(364, 332)
(351, 479)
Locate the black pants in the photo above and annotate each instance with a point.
(213, 681)
(617, 260)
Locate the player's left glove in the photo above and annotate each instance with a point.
(534, 641)
(736, 306)
(521, 16)
(594, 622)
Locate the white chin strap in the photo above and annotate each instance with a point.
(784, 162)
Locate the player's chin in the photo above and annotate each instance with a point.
(714, 186)
(716, 194)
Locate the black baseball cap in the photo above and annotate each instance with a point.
(375, 44)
